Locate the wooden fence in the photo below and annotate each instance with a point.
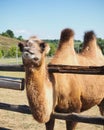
(94, 70)
(12, 83)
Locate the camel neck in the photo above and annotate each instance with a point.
(39, 92)
(36, 75)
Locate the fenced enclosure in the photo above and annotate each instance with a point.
(95, 70)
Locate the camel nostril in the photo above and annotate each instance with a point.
(26, 54)
(36, 58)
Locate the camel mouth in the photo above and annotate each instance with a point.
(30, 58)
(28, 55)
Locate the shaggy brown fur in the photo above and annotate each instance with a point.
(89, 44)
(66, 34)
(91, 49)
(89, 36)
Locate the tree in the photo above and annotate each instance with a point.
(5, 34)
(20, 38)
(8, 33)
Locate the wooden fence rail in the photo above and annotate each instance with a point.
(12, 83)
(95, 70)
(17, 68)
(99, 120)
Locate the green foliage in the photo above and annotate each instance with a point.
(101, 44)
(53, 46)
(8, 33)
(5, 34)
(52, 49)
(77, 46)
(0, 54)
(20, 38)
(11, 52)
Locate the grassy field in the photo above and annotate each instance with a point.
(17, 121)
(6, 42)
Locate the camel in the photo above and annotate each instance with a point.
(63, 93)
(39, 83)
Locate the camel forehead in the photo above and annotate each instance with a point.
(33, 41)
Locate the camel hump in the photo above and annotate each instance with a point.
(90, 46)
(66, 34)
(89, 36)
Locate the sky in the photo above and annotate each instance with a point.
(47, 18)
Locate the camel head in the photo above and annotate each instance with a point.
(33, 51)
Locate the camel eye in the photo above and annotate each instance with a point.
(42, 46)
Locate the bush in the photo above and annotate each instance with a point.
(11, 52)
(52, 49)
(1, 54)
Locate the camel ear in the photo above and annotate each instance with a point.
(45, 47)
(21, 46)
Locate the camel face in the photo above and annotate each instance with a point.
(33, 51)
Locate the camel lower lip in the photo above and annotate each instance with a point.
(35, 62)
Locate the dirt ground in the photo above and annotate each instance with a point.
(18, 121)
